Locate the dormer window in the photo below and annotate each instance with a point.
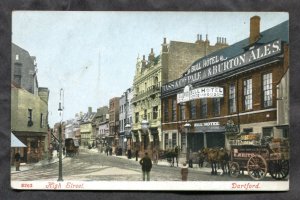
(17, 56)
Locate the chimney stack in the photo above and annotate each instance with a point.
(151, 56)
(143, 61)
(165, 46)
(254, 29)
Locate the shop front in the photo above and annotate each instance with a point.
(205, 135)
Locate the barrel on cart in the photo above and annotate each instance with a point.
(258, 158)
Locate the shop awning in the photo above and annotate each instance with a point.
(15, 142)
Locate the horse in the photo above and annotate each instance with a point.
(170, 155)
(217, 156)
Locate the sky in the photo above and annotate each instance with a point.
(92, 55)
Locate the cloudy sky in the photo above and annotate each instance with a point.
(92, 55)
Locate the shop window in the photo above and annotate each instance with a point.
(166, 141)
(203, 110)
(137, 117)
(155, 112)
(248, 130)
(174, 105)
(267, 90)
(41, 121)
(193, 109)
(232, 98)
(216, 106)
(174, 140)
(248, 94)
(182, 111)
(30, 122)
(268, 132)
(17, 79)
(166, 112)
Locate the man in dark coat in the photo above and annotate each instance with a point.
(146, 166)
(17, 161)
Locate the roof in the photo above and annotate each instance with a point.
(279, 31)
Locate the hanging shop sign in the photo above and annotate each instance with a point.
(200, 93)
(213, 66)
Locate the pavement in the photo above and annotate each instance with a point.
(29, 166)
(26, 167)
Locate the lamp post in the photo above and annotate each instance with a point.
(187, 126)
(127, 135)
(60, 110)
(145, 126)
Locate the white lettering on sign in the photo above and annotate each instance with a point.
(200, 93)
(216, 65)
(207, 124)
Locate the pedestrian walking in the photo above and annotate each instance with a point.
(17, 161)
(146, 166)
(129, 153)
(201, 158)
(184, 172)
(110, 151)
(155, 157)
(107, 150)
(136, 155)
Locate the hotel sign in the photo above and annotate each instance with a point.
(216, 65)
(200, 93)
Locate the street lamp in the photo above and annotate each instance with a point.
(60, 110)
(145, 126)
(187, 126)
(127, 135)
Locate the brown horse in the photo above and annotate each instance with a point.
(216, 156)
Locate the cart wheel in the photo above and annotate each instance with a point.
(279, 169)
(234, 169)
(257, 167)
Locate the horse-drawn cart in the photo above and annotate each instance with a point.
(259, 158)
(72, 147)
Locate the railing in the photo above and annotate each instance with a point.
(150, 91)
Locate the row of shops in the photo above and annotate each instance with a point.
(254, 79)
(240, 89)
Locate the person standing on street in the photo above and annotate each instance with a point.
(17, 161)
(146, 166)
(184, 172)
(136, 155)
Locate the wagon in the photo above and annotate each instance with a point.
(259, 158)
(72, 147)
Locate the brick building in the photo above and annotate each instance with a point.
(113, 111)
(150, 74)
(253, 75)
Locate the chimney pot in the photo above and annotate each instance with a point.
(254, 29)
(201, 37)
(165, 40)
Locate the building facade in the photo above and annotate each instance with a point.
(125, 119)
(150, 75)
(87, 138)
(98, 129)
(29, 107)
(253, 76)
(114, 122)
